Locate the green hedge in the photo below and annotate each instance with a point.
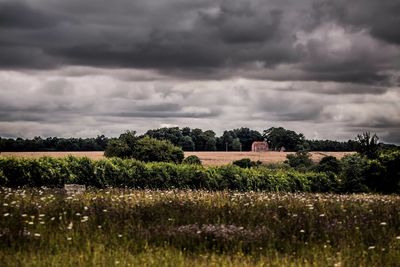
(116, 172)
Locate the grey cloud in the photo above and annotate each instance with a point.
(202, 39)
(77, 106)
(381, 18)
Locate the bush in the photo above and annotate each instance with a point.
(329, 164)
(300, 161)
(246, 163)
(353, 175)
(192, 159)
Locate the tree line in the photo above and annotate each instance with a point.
(188, 139)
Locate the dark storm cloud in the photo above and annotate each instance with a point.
(330, 69)
(381, 18)
(201, 38)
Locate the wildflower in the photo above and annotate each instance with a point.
(99, 226)
(30, 223)
(302, 231)
(119, 235)
(104, 210)
(69, 238)
(85, 208)
(371, 247)
(322, 215)
(70, 226)
(36, 235)
(6, 214)
(383, 223)
(77, 214)
(52, 218)
(398, 237)
(23, 215)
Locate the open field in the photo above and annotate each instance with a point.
(208, 158)
(46, 227)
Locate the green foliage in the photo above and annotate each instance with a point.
(235, 139)
(246, 163)
(150, 149)
(353, 175)
(301, 160)
(329, 164)
(192, 159)
(368, 145)
(280, 137)
(357, 174)
(145, 149)
(116, 172)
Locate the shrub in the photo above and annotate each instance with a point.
(329, 164)
(300, 161)
(192, 159)
(246, 163)
(353, 174)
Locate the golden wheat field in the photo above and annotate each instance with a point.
(208, 158)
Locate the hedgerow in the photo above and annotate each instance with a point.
(357, 174)
(116, 172)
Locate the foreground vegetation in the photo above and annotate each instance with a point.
(46, 227)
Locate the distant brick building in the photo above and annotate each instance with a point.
(259, 146)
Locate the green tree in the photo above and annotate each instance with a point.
(280, 137)
(368, 145)
(236, 145)
(150, 149)
(186, 143)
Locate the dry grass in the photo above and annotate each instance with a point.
(208, 158)
(222, 158)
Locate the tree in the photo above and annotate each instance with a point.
(150, 149)
(123, 147)
(247, 137)
(368, 145)
(144, 149)
(280, 137)
(186, 143)
(172, 134)
(236, 145)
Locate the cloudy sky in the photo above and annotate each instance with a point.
(328, 69)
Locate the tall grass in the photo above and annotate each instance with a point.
(45, 227)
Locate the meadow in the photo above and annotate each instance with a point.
(207, 158)
(124, 227)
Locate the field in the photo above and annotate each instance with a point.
(208, 158)
(120, 227)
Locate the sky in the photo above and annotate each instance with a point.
(327, 69)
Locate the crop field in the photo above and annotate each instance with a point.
(121, 227)
(207, 158)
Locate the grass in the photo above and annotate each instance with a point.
(46, 227)
(207, 158)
